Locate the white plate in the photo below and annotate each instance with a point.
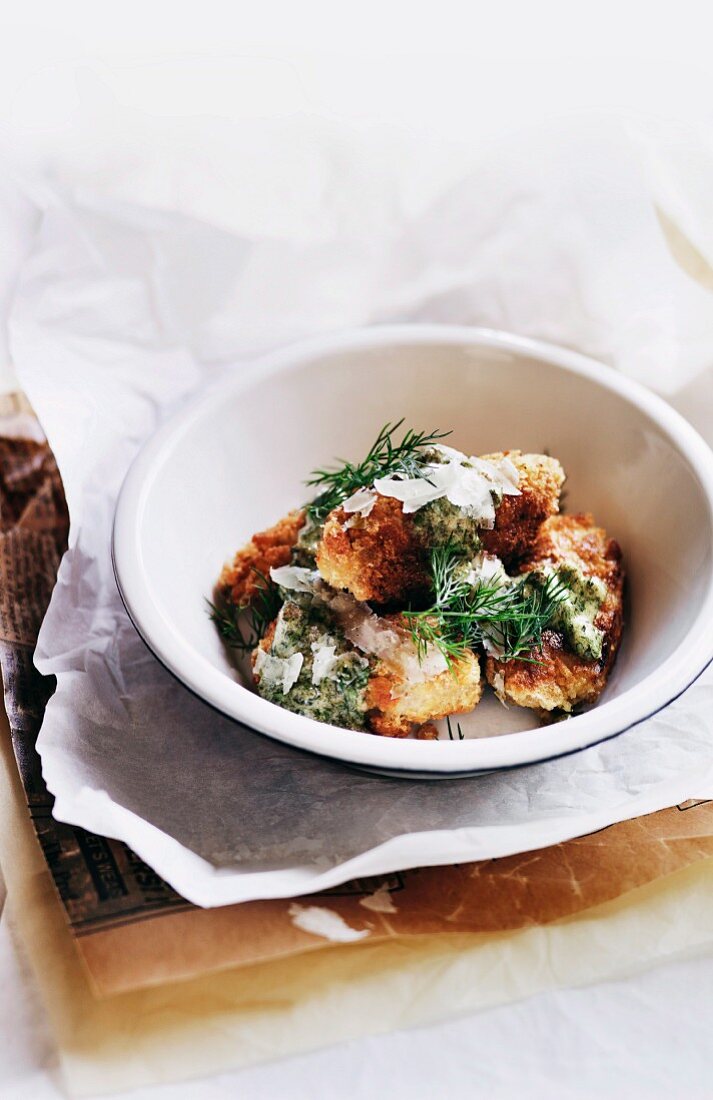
(233, 460)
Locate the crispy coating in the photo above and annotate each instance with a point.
(518, 519)
(381, 558)
(426, 732)
(563, 679)
(396, 706)
(378, 558)
(241, 578)
(265, 643)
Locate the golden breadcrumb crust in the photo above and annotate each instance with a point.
(395, 705)
(265, 643)
(242, 578)
(518, 519)
(380, 557)
(563, 679)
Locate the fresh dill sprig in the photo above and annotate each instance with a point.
(385, 458)
(242, 626)
(509, 615)
(519, 624)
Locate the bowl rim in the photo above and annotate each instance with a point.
(393, 755)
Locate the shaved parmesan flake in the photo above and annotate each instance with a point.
(362, 502)
(380, 638)
(278, 671)
(499, 686)
(468, 483)
(324, 662)
(491, 644)
(295, 578)
(486, 567)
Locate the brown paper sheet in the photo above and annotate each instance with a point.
(491, 896)
(132, 930)
(241, 1016)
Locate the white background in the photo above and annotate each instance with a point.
(79, 86)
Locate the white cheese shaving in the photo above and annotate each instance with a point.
(379, 638)
(278, 671)
(485, 568)
(492, 645)
(362, 502)
(468, 483)
(499, 687)
(323, 662)
(415, 671)
(295, 578)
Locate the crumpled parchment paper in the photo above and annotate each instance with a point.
(122, 312)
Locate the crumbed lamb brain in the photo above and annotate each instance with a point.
(242, 578)
(336, 694)
(518, 518)
(396, 706)
(562, 679)
(358, 691)
(383, 557)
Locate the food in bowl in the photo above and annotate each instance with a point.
(419, 576)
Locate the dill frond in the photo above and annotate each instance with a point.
(384, 459)
(242, 626)
(463, 616)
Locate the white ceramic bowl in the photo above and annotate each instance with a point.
(233, 460)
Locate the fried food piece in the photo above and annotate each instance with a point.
(564, 679)
(242, 578)
(395, 705)
(518, 518)
(379, 557)
(307, 665)
(383, 557)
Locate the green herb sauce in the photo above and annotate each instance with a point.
(340, 697)
(441, 523)
(576, 613)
